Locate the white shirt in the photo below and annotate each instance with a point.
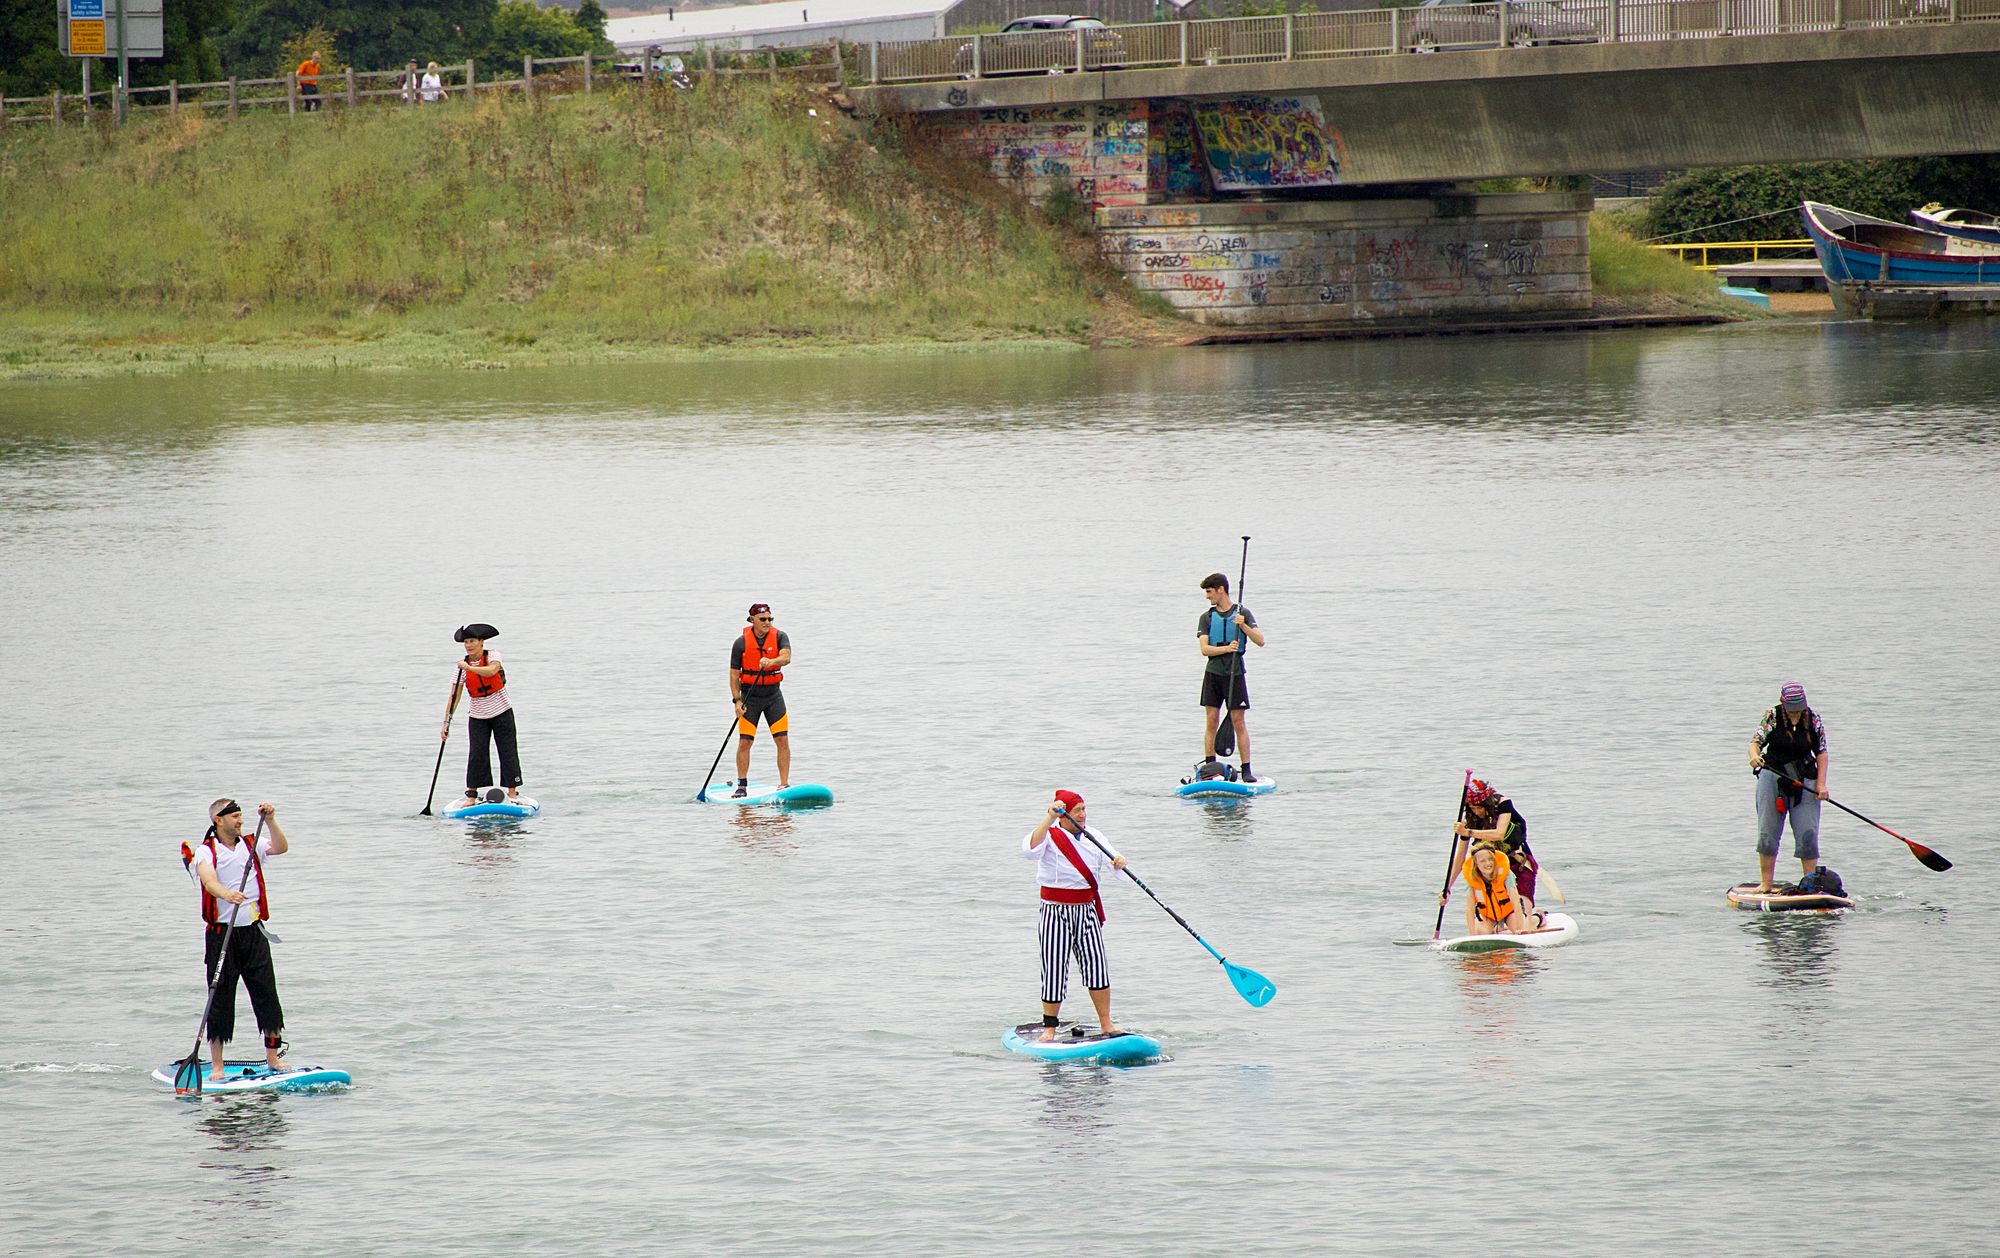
(433, 85)
(228, 864)
(486, 707)
(1054, 869)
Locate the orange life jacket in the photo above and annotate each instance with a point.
(479, 687)
(754, 656)
(1491, 901)
(209, 902)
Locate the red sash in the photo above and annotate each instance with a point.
(1070, 854)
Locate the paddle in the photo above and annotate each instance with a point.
(1928, 858)
(701, 796)
(1225, 732)
(1451, 861)
(1542, 873)
(457, 684)
(1249, 984)
(188, 1072)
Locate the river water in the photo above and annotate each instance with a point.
(1580, 565)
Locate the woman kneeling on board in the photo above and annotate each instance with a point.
(1491, 817)
(1072, 909)
(1491, 909)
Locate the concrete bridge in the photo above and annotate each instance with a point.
(1314, 169)
(1630, 104)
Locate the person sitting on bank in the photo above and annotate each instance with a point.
(1492, 818)
(491, 715)
(1790, 743)
(1069, 869)
(1492, 908)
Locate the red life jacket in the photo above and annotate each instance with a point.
(479, 687)
(209, 902)
(754, 656)
(1063, 895)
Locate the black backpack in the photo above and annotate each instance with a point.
(1822, 881)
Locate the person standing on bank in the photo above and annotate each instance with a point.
(1072, 922)
(308, 76)
(1220, 633)
(491, 718)
(1790, 742)
(756, 665)
(218, 866)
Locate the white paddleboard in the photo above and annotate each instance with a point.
(1558, 929)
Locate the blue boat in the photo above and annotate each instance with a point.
(1964, 224)
(1856, 248)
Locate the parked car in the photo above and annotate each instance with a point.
(1045, 44)
(1436, 24)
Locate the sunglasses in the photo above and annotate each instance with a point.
(762, 620)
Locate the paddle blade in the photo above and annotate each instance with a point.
(1250, 985)
(1930, 859)
(187, 1077)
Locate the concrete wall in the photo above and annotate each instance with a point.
(1897, 92)
(1096, 151)
(1283, 265)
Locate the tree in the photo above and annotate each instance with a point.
(521, 29)
(1714, 204)
(368, 34)
(30, 63)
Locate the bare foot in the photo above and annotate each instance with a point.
(1766, 889)
(513, 793)
(1048, 1035)
(276, 1063)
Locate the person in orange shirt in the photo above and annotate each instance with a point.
(309, 81)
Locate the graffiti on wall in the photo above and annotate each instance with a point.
(1253, 142)
(1173, 160)
(1098, 151)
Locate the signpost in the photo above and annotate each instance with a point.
(133, 28)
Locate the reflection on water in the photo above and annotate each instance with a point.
(1074, 1098)
(1228, 819)
(490, 846)
(245, 1131)
(1799, 947)
(1492, 984)
(766, 830)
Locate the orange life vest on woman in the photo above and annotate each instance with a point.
(479, 687)
(208, 902)
(754, 655)
(1491, 901)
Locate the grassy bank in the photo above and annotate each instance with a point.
(1626, 275)
(736, 219)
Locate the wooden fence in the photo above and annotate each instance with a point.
(353, 89)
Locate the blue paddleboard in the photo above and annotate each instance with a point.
(804, 795)
(1222, 788)
(493, 803)
(1080, 1043)
(256, 1076)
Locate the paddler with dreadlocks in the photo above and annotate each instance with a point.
(1491, 818)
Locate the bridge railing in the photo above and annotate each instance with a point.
(1377, 32)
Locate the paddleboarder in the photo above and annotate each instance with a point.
(1072, 917)
(218, 863)
(1792, 741)
(1491, 908)
(491, 714)
(1220, 633)
(756, 665)
(1492, 818)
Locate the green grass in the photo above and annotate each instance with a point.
(1622, 267)
(724, 220)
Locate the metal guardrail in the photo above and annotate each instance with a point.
(1387, 32)
(1755, 248)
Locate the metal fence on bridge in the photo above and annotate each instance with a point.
(1380, 32)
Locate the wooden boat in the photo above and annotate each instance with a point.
(1963, 224)
(1861, 254)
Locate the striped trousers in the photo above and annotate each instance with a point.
(1071, 930)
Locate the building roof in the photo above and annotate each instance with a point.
(758, 19)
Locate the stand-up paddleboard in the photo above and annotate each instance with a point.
(804, 795)
(1080, 1043)
(1222, 788)
(493, 802)
(1785, 898)
(256, 1076)
(1557, 929)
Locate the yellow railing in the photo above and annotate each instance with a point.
(1755, 248)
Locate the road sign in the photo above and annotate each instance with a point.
(89, 28)
(86, 37)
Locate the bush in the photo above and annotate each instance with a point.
(1711, 204)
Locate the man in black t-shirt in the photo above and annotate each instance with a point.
(756, 666)
(1220, 633)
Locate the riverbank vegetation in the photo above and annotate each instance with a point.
(745, 215)
(1762, 202)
